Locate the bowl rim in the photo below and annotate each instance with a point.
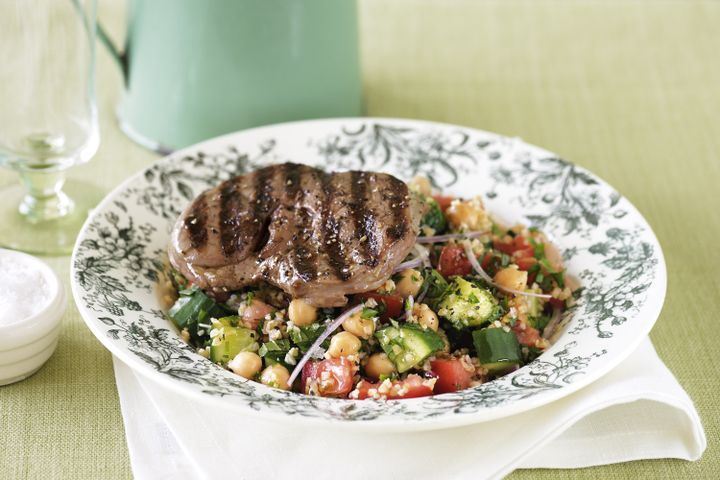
(650, 310)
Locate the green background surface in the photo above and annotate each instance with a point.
(628, 89)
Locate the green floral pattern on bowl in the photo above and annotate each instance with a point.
(606, 244)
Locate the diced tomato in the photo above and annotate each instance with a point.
(525, 263)
(393, 304)
(412, 387)
(453, 261)
(443, 202)
(527, 336)
(528, 252)
(451, 375)
(486, 261)
(338, 380)
(255, 312)
(513, 245)
(504, 247)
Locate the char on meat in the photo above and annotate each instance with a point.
(315, 235)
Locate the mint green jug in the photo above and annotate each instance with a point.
(197, 69)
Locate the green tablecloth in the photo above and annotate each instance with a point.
(630, 90)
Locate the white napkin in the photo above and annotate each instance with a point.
(637, 411)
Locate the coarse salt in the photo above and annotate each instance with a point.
(24, 291)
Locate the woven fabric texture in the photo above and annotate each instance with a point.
(628, 89)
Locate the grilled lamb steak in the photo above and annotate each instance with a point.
(315, 235)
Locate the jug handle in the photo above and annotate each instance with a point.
(120, 57)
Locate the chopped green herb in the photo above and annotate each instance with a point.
(434, 287)
(538, 249)
(305, 336)
(539, 322)
(434, 218)
(407, 304)
(369, 313)
(249, 297)
(274, 351)
(504, 260)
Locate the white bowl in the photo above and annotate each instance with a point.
(26, 344)
(606, 242)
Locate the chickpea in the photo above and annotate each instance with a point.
(379, 364)
(358, 326)
(425, 316)
(410, 282)
(468, 215)
(511, 278)
(421, 185)
(302, 313)
(275, 376)
(246, 364)
(344, 344)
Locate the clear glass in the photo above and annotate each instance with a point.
(48, 119)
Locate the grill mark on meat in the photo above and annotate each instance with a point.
(304, 260)
(292, 179)
(330, 229)
(263, 193)
(231, 204)
(262, 205)
(195, 223)
(397, 202)
(364, 218)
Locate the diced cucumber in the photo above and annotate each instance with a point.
(228, 341)
(497, 350)
(434, 286)
(468, 305)
(229, 321)
(408, 345)
(194, 307)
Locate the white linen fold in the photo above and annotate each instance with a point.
(637, 411)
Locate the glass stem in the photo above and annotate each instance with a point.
(44, 199)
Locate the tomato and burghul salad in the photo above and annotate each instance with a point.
(473, 302)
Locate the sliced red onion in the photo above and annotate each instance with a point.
(527, 294)
(475, 264)
(409, 304)
(478, 268)
(424, 255)
(415, 262)
(329, 330)
(451, 236)
(553, 323)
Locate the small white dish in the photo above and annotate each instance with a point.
(27, 343)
